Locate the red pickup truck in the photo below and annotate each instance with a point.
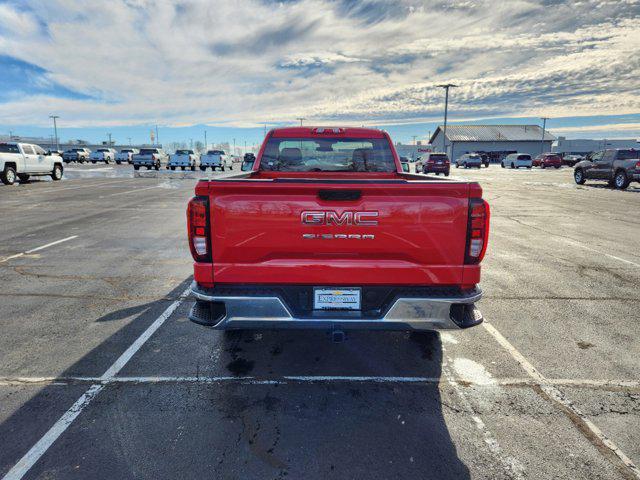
(327, 231)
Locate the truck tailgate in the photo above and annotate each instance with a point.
(298, 232)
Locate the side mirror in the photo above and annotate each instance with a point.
(247, 165)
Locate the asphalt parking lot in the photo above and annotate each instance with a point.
(103, 376)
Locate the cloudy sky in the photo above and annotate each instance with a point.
(123, 65)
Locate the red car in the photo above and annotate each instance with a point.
(547, 160)
(327, 231)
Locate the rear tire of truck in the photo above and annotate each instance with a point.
(57, 173)
(8, 177)
(620, 180)
(578, 176)
(23, 177)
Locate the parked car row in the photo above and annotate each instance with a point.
(20, 161)
(618, 167)
(184, 159)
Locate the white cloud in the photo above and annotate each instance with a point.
(250, 61)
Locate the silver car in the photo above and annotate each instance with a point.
(469, 160)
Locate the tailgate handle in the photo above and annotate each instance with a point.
(340, 195)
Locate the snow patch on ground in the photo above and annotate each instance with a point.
(448, 338)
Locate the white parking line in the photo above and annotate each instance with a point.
(578, 244)
(130, 191)
(33, 455)
(497, 382)
(37, 249)
(558, 397)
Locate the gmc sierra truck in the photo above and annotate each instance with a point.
(327, 231)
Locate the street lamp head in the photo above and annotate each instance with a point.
(447, 85)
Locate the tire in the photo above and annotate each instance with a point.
(149, 168)
(136, 167)
(513, 166)
(193, 168)
(457, 166)
(8, 177)
(542, 165)
(118, 162)
(203, 168)
(157, 167)
(578, 176)
(23, 177)
(465, 165)
(446, 174)
(502, 164)
(621, 180)
(93, 161)
(57, 173)
(557, 167)
(172, 167)
(222, 168)
(182, 168)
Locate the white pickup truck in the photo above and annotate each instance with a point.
(215, 159)
(125, 155)
(183, 159)
(23, 160)
(102, 155)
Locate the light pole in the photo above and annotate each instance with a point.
(301, 119)
(109, 135)
(55, 129)
(234, 146)
(446, 87)
(205, 140)
(414, 138)
(129, 140)
(544, 125)
(157, 136)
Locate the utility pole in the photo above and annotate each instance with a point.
(157, 137)
(544, 125)
(10, 135)
(301, 119)
(265, 129)
(109, 135)
(205, 141)
(55, 129)
(245, 147)
(234, 146)
(446, 87)
(414, 138)
(129, 141)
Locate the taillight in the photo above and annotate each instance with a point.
(477, 230)
(637, 165)
(198, 229)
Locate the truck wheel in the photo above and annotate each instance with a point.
(93, 161)
(203, 168)
(172, 167)
(117, 162)
(578, 176)
(8, 177)
(182, 168)
(620, 180)
(222, 168)
(23, 177)
(136, 167)
(502, 164)
(193, 168)
(157, 167)
(57, 172)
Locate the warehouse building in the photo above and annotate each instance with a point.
(497, 141)
(582, 146)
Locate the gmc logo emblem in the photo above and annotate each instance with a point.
(330, 217)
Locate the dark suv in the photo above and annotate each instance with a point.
(617, 166)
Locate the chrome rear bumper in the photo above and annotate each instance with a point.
(271, 312)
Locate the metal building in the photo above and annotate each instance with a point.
(583, 146)
(495, 140)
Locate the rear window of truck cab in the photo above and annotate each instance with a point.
(327, 154)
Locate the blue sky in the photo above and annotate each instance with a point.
(231, 67)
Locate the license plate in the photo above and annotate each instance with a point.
(336, 299)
